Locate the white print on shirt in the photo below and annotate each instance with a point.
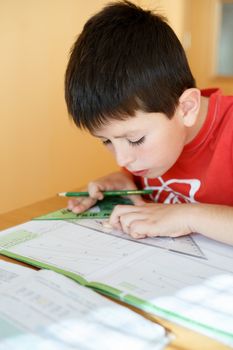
(174, 196)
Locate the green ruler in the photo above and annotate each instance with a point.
(101, 210)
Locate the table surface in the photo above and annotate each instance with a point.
(184, 338)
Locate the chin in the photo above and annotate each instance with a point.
(153, 174)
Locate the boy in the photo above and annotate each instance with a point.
(129, 83)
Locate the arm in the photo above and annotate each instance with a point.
(151, 220)
(213, 221)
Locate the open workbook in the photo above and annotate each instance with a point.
(192, 286)
(45, 310)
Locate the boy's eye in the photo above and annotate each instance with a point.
(106, 142)
(132, 143)
(138, 142)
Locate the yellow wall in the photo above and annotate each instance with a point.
(202, 22)
(41, 151)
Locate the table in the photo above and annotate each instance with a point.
(185, 339)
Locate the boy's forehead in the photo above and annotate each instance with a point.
(119, 128)
(139, 123)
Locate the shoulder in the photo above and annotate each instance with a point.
(218, 103)
(220, 110)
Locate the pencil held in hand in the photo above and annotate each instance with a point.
(107, 193)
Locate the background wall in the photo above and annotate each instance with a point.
(41, 151)
(202, 25)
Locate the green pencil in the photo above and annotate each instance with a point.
(106, 193)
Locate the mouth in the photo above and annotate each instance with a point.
(140, 172)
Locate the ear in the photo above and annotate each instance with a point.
(189, 106)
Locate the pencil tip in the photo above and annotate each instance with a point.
(62, 194)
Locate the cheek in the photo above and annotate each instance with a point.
(172, 152)
(147, 154)
(164, 152)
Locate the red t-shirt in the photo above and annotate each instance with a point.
(204, 171)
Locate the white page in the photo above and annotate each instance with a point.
(71, 247)
(56, 313)
(149, 273)
(10, 272)
(183, 244)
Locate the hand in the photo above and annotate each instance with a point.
(151, 220)
(114, 181)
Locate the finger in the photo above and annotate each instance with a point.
(118, 227)
(146, 228)
(83, 205)
(128, 224)
(120, 210)
(95, 190)
(137, 235)
(72, 203)
(127, 219)
(107, 225)
(138, 229)
(124, 224)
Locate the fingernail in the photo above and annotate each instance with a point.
(107, 224)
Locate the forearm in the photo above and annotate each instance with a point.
(214, 221)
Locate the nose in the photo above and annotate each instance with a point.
(124, 157)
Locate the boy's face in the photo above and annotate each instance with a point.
(147, 144)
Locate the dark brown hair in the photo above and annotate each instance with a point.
(126, 59)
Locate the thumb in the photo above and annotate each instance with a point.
(95, 190)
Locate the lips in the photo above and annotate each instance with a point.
(140, 172)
